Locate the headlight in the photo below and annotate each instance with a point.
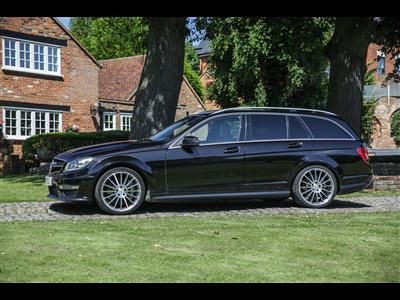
(78, 163)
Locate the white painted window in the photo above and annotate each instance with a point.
(31, 57)
(109, 121)
(9, 53)
(21, 123)
(126, 122)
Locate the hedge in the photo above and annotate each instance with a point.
(395, 125)
(63, 141)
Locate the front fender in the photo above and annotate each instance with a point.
(124, 161)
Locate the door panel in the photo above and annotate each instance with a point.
(268, 165)
(275, 145)
(216, 165)
(205, 169)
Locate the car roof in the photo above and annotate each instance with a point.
(271, 109)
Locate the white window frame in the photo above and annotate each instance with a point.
(18, 110)
(31, 68)
(124, 117)
(114, 121)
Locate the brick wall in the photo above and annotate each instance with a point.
(372, 63)
(78, 88)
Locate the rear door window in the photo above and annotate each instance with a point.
(266, 127)
(297, 129)
(325, 129)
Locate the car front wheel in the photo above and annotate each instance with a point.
(120, 191)
(314, 187)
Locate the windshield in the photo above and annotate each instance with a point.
(176, 128)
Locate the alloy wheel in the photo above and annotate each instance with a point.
(120, 191)
(316, 186)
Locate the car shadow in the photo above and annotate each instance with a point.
(70, 208)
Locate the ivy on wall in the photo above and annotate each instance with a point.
(367, 120)
(395, 125)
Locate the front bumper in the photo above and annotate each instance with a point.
(72, 187)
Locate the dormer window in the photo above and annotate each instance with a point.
(31, 57)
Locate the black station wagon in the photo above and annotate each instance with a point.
(239, 153)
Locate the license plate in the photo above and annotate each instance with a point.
(49, 180)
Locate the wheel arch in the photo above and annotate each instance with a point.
(136, 165)
(315, 160)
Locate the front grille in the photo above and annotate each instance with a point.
(57, 166)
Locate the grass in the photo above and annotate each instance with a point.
(21, 188)
(353, 247)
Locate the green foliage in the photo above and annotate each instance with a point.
(193, 79)
(369, 78)
(111, 37)
(64, 141)
(192, 57)
(269, 61)
(367, 120)
(395, 125)
(114, 37)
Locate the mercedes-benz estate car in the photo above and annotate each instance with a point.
(240, 153)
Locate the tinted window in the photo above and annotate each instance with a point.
(324, 129)
(266, 127)
(219, 130)
(296, 129)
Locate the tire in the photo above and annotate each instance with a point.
(314, 187)
(124, 187)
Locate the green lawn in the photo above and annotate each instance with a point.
(353, 247)
(21, 188)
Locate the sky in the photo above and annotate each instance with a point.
(64, 20)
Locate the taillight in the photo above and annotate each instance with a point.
(363, 153)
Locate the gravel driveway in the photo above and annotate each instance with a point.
(60, 211)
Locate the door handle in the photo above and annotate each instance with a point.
(232, 149)
(295, 145)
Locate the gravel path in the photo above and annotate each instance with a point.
(26, 211)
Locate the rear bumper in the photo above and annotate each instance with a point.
(357, 183)
(76, 189)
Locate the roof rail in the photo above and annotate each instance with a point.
(291, 109)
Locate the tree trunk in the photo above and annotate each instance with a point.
(347, 53)
(157, 96)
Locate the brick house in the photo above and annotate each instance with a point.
(48, 79)
(379, 63)
(118, 82)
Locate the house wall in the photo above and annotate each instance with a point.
(372, 63)
(77, 89)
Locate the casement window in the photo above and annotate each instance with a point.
(126, 122)
(380, 69)
(109, 122)
(23, 123)
(31, 57)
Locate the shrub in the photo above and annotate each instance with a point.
(395, 125)
(367, 120)
(63, 141)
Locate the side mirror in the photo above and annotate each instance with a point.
(190, 141)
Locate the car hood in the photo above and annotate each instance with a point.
(107, 148)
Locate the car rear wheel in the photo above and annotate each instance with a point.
(120, 191)
(314, 187)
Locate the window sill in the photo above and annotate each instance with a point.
(21, 70)
(16, 138)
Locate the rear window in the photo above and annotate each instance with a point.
(325, 129)
(297, 129)
(266, 127)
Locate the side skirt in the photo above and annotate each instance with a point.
(238, 196)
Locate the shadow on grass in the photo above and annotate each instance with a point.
(33, 179)
(197, 206)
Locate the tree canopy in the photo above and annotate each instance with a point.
(114, 37)
(269, 61)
